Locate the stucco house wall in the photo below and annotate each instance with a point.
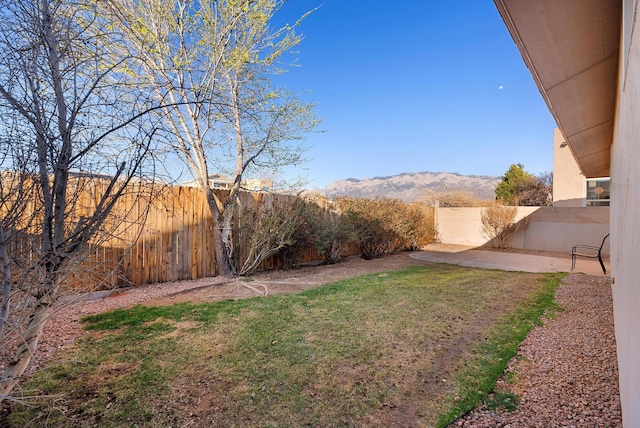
(625, 223)
(568, 180)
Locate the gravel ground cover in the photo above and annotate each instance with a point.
(566, 372)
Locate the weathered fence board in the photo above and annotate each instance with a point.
(155, 233)
(167, 235)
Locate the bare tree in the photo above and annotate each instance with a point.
(499, 223)
(267, 231)
(213, 60)
(74, 134)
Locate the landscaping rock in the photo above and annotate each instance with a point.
(566, 369)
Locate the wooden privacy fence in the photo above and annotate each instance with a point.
(153, 234)
(163, 234)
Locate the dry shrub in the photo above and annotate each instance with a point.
(329, 230)
(415, 226)
(304, 234)
(383, 225)
(453, 199)
(498, 223)
(266, 231)
(369, 219)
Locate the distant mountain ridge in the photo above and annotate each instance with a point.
(411, 186)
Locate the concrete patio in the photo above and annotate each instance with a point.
(504, 260)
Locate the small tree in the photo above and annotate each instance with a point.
(518, 187)
(267, 231)
(539, 194)
(498, 223)
(514, 181)
(214, 60)
(75, 133)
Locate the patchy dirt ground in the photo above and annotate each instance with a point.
(600, 409)
(421, 392)
(64, 327)
(287, 281)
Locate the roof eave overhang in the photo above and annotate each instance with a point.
(571, 48)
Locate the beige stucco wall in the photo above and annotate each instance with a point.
(625, 228)
(568, 181)
(540, 228)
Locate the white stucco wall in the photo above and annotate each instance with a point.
(541, 228)
(625, 225)
(568, 180)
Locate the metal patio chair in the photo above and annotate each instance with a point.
(589, 251)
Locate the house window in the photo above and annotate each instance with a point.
(598, 192)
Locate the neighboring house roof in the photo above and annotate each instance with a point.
(571, 48)
(257, 185)
(222, 182)
(215, 180)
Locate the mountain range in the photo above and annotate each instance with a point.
(411, 186)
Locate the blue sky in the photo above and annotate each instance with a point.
(414, 86)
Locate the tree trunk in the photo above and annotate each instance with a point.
(228, 235)
(224, 260)
(6, 281)
(17, 366)
(222, 234)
